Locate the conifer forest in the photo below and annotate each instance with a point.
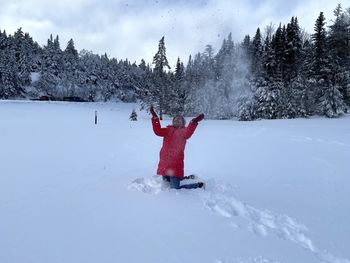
(281, 71)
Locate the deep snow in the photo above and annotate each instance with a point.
(72, 191)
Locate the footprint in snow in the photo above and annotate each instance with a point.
(220, 199)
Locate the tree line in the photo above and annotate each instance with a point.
(30, 71)
(281, 72)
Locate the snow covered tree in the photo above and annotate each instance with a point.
(51, 69)
(339, 38)
(189, 86)
(160, 90)
(278, 46)
(320, 59)
(10, 86)
(88, 71)
(70, 50)
(246, 110)
(133, 115)
(257, 54)
(19, 55)
(224, 63)
(331, 103)
(268, 100)
(146, 81)
(264, 103)
(22, 58)
(295, 98)
(319, 71)
(68, 79)
(180, 94)
(247, 49)
(339, 51)
(292, 60)
(12, 77)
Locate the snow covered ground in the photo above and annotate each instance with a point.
(72, 191)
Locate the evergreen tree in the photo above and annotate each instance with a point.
(319, 73)
(22, 59)
(146, 80)
(339, 51)
(295, 98)
(339, 39)
(257, 54)
(69, 78)
(318, 70)
(10, 86)
(278, 46)
(331, 103)
(160, 92)
(12, 78)
(293, 50)
(51, 69)
(223, 58)
(88, 71)
(246, 110)
(208, 63)
(133, 115)
(309, 98)
(189, 83)
(160, 60)
(264, 103)
(143, 65)
(269, 59)
(71, 51)
(180, 93)
(268, 101)
(247, 48)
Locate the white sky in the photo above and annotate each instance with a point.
(132, 29)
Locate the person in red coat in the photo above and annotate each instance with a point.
(171, 163)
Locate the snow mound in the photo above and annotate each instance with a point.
(149, 185)
(250, 260)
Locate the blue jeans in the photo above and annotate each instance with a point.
(174, 183)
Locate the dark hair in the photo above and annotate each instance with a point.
(182, 118)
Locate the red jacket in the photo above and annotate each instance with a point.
(172, 153)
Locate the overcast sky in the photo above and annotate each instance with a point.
(132, 29)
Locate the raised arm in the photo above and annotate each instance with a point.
(158, 130)
(193, 125)
(190, 129)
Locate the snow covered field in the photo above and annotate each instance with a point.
(72, 191)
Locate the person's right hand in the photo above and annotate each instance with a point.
(154, 114)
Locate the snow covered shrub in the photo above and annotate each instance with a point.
(331, 103)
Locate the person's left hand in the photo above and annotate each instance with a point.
(199, 118)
